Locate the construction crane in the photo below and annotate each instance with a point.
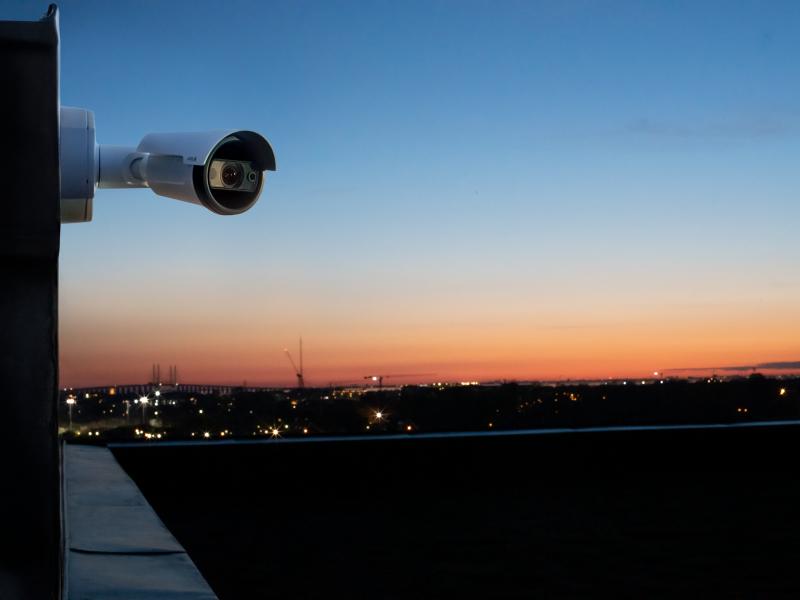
(379, 378)
(298, 372)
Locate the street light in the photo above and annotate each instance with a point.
(144, 400)
(70, 403)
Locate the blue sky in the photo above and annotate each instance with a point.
(480, 173)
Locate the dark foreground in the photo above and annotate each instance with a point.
(704, 512)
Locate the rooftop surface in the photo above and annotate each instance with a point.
(639, 513)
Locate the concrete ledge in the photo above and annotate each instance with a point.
(135, 577)
(117, 547)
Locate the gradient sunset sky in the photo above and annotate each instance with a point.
(479, 190)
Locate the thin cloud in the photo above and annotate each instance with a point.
(794, 364)
(766, 366)
(746, 129)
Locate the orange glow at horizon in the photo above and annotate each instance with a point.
(226, 322)
(466, 343)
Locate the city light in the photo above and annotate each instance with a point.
(539, 405)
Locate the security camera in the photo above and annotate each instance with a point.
(221, 170)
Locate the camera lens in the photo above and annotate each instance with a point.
(232, 174)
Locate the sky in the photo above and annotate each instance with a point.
(473, 189)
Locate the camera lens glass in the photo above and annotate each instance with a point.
(232, 174)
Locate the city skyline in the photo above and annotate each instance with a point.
(480, 190)
(352, 377)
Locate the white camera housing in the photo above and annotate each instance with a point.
(174, 165)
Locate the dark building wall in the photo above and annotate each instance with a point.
(30, 546)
